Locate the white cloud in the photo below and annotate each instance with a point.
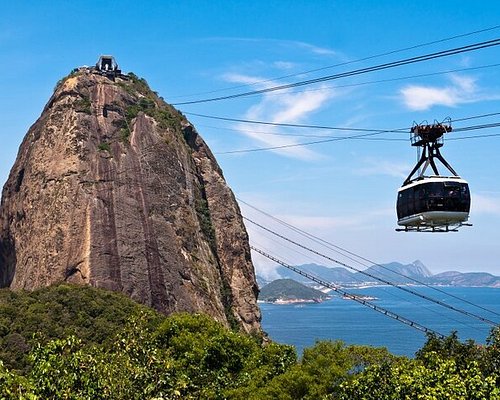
(482, 204)
(328, 224)
(326, 227)
(264, 137)
(246, 79)
(374, 166)
(295, 107)
(462, 89)
(423, 98)
(284, 108)
(465, 61)
(464, 83)
(284, 65)
(322, 51)
(337, 227)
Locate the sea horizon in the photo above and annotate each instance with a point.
(301, 324)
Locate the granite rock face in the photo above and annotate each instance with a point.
(114, 188)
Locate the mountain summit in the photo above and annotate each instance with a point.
(114, 188)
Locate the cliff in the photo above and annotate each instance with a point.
(114, 188)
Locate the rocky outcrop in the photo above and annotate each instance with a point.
(114, 188)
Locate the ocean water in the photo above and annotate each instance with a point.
(340, 319)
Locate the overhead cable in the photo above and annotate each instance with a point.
(475, 117)
(301, 135)
(400, 130)
(332, 128)
(382, 289)
(476, 136)
(339, 249)
(403, 288)
(325, 127)
(286, 146)
(340, 138)
(379, 67)
(351, 296)
(347, 62)
(401, 78)
(476, 127)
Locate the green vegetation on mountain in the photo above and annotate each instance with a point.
(443, 369)
(84, 343)
(288, 289)
(56, 312)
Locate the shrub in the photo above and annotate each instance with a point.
(83, 105)
(104, 146)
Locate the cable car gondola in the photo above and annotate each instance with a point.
(432, 203)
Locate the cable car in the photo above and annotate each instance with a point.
(432, 203)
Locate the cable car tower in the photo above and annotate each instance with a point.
(432, 203)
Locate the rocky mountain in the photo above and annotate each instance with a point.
(114, 188)
(289, 290)
(392, 272)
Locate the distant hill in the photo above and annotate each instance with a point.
(396, 272)
(335, 274)
(393, 272)
(288, 290)
(455, 278)
(261, 282)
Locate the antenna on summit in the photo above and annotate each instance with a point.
(105, 66)
(108, 66)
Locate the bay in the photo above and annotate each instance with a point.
(301, 325)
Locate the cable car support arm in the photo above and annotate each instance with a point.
(430, 151)
(430, 138)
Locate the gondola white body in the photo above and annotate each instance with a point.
(433, 202)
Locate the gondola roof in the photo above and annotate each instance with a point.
(430, 179)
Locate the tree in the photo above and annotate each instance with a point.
(433, 378)
(321, 371)
(13, 386)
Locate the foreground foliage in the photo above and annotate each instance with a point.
(148, 356)
(56, 312)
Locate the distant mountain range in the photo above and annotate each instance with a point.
(393, 272)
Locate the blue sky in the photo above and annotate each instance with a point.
(342, 191)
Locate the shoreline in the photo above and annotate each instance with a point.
(292, 301)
